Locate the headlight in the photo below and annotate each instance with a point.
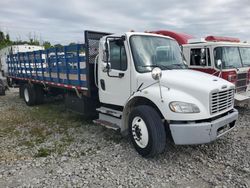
(183, 107)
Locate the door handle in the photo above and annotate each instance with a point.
(115, 74)
(121, 75)
(104, 69)
(102, 84)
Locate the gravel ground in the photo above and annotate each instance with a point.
(47, 146)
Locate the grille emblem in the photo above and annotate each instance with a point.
(224, 87)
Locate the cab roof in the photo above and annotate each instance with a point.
(139, 33)
(218, 44)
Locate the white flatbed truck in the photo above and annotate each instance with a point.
(138, 84)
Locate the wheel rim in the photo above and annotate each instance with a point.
(140, 132)
(26, 95)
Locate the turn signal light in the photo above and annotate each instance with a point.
(248, 76)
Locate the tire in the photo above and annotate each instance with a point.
(39, 94)
(2, 90)
(21, 91)
(29, 94)
(9, 82)
(2, 87)
(147, 131)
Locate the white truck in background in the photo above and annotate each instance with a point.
(138, 84)
(13, 49)
(225, 57)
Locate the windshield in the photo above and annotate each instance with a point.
(153, 51)
(245, 55)
(229, 56)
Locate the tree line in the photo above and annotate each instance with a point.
(6, 41)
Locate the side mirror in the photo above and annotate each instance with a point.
(156, 73)
(106, 51)
(202, 62)
(219, 63)
(106, 55)
(203, 53)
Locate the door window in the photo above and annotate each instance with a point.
(118, 58)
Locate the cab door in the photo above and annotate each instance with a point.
(114, 80)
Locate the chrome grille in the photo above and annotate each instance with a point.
(221, 100)
(241, 84)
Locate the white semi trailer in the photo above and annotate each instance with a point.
(13, 49)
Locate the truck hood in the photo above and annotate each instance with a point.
(188, 81)
(188, 86)
(194, 80)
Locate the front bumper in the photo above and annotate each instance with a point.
(241, 97)
(205, 132)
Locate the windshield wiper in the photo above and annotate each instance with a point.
(179, 65)
(160, 66)
(230, 66)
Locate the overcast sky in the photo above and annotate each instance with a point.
(63, 21)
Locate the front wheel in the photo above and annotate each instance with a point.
(147, 131)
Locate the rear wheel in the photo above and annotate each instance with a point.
(29, 94)
(2, 90)
(2, 87)
(39, 94)
(9, 82)
(147, 131)
(21, 91)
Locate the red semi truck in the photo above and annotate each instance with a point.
(225, 57)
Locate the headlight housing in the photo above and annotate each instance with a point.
(183, 107)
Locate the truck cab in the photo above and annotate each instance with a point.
(228, 60)
(145, 86)
(225, 57)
